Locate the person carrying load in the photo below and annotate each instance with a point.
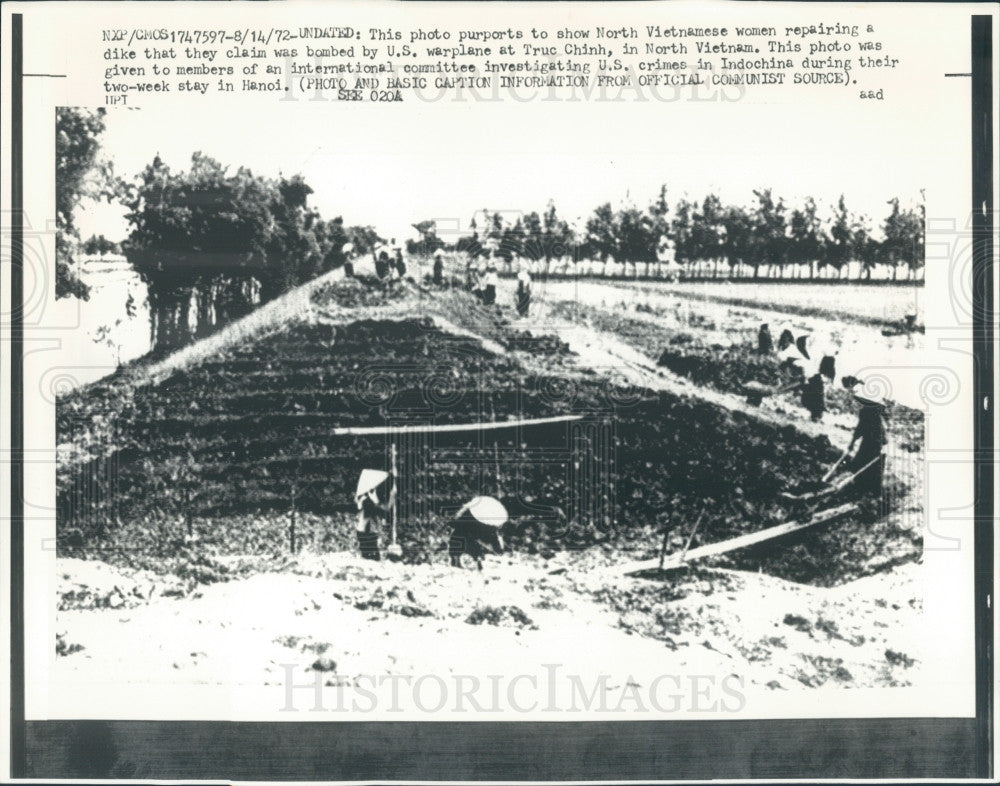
(371, 511)
(477, 527)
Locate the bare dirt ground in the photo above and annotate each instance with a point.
(337, 614)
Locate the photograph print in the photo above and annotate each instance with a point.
(484, 425)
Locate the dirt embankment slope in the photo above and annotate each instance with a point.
(354, 356)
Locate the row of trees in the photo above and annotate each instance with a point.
(221, 240)
(767, 235)
(228, 239)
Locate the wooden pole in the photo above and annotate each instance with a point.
(663, 546)
(291, 525)
(395, 490)
(496, 451)
(694, 529)
(441, 428)
(740, 542)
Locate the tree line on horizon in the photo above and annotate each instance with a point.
(767, 235)
(227, 240)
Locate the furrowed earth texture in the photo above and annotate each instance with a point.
(190, 495)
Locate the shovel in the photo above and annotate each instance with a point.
(393, 551)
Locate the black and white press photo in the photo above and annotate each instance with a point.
(657, 436)
(560, 363)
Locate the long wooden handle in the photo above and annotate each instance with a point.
(395, 483)
(833, 469)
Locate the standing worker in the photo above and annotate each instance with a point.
(397, 253)
(490, 283)
(371, 511)
(523, 291)
(438, 268)
(477, 526)
(382, 262)
(765, 345)
(868, 462)
(479, 278)
(348, 252)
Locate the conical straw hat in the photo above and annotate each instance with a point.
(488, 511)
(370, 480)
(868, 398)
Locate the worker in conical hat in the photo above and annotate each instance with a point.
(371, 511)
(793, 351)
(786, 337)
(477, 526)
(868, 462)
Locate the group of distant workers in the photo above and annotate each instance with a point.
(481, 278)
(389, 262)
(811, 369)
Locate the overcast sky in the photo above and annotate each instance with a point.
(391, 165)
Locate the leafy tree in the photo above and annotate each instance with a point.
(429, 241)
(224, 236)
(203, 221)
(708, 231)
(557, 236)
(683, 229)
(738, 236)
(364, 238)
(863, 246)
(292, 252)
(806, 240)
(602, 232)
(659, 224)
(768, 243)
(841, 245)
(636, 241)
(904, 238)
(79, 174)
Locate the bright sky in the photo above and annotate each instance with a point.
(391, 165)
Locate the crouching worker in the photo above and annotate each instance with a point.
(813, 387)
(371, 511)
(477, 528)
